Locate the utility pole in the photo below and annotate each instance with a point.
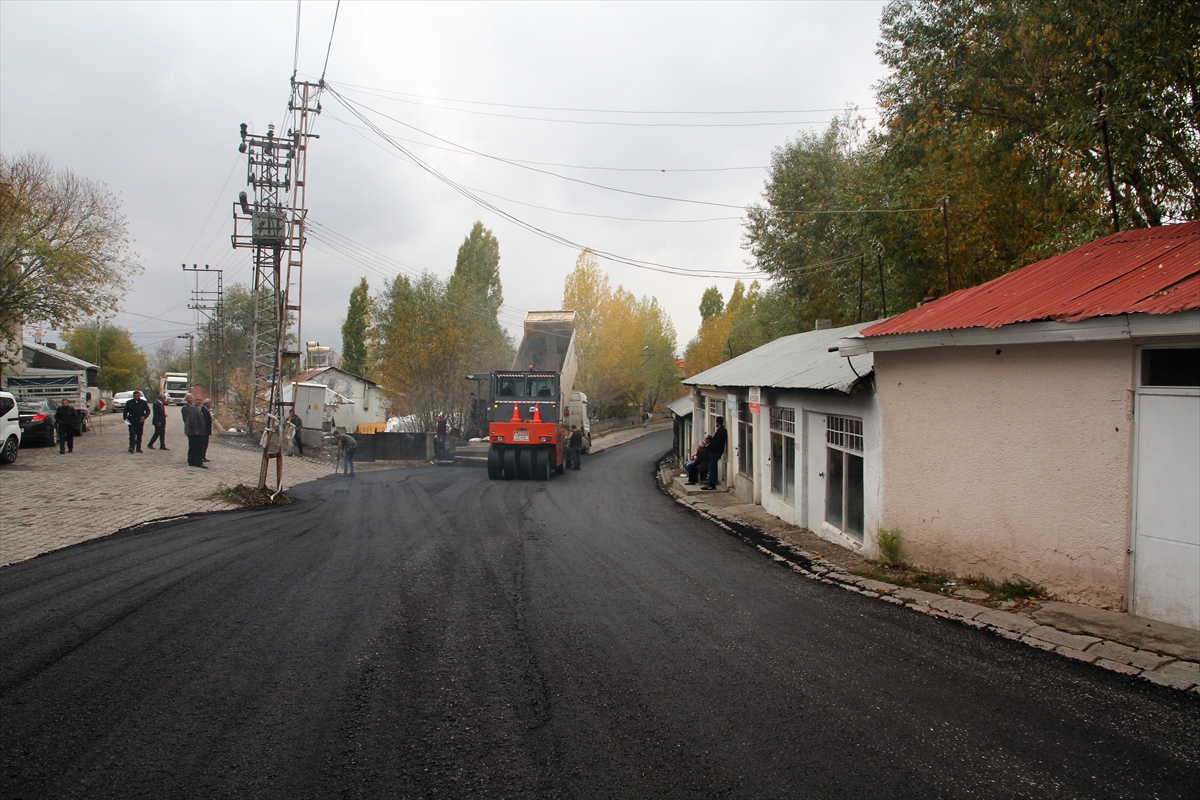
(209, 303)
(191, 337)
(272, 225)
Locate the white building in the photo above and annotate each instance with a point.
(803, 429)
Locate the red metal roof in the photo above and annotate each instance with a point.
(1147, 270)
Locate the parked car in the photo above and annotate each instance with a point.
(10, 428)
(120, 399)
(37, 421)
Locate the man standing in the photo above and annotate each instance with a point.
(158, 418)
(716, 449)
(439, 439)
(64, 420)
(193, 429)
(298, 424)
(135, 414)
(347, 446)
(574, 447)
(206, 412)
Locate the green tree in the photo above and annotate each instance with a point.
(64, 254)
(122, 363)
(474, 290)
(711, 303)
(354, 330)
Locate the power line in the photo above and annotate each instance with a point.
(656, 170)
(640, 264)
(332, 28)
(358, 129)
(353, 107)
(388, 92)
(296, 53)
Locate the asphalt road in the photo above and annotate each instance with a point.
(426, 632)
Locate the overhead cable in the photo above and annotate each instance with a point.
(353, 107)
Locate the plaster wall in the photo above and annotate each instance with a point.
(802, 511)
(1012, 460)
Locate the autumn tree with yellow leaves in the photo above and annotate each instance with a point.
(626, 345)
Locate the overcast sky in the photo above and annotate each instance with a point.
(147, 97)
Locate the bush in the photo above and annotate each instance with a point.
(888, 540)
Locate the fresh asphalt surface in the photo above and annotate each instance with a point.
(425, 631)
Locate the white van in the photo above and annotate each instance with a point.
(10, 428)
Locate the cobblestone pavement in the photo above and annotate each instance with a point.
(53, 501)
(1154, 651)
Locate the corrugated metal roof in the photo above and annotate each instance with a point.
(681, 407)
(1148, 270)
(55, 353)
(799, 361)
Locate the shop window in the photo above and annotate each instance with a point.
(783, 453)
(844, 475)
(745, 439)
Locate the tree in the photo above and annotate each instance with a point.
(428, 334)
(64, 254)
(626, 345)
(474, 290)
(354, 330)
(712, 303)
(1025, 74)
(122, 364)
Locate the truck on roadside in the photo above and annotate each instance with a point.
(173, 387)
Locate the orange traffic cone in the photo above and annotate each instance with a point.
(516, 414)
(537, 416)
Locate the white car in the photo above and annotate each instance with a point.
(10, 428)
(121, 398)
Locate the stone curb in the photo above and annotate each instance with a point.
(1158, 668)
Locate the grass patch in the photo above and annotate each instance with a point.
(243, 495)
(925, 581)
(1014, 588)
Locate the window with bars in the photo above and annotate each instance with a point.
(845, 433)
(716, 408)
(783, 420)
(844, 475)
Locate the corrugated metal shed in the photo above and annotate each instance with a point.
(1148, 270)
(799, 361)
(681, 407)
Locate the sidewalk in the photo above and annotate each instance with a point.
(54, 501)
(1154, 651)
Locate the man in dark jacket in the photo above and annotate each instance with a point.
(698, 465)
(193, 429)
(574, 447)
(158, 418)
(206, 412)
(716, 449)
(135, 414)
(64, 420)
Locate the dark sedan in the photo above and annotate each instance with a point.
(37, 421)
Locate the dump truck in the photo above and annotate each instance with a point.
(528, 403)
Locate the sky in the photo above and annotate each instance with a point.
(684, 101)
